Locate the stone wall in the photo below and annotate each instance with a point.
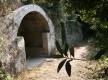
(7, 6)
(73, 33)
(14, 59)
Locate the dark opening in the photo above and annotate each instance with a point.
(32, 28)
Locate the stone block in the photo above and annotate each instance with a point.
(14, 58)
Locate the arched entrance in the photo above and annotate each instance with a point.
(37, 29)
(34, 28)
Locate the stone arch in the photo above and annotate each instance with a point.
(34, 29)
(18, 16)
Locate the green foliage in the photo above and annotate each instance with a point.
(104, 58)
(68, 67)
(95, 13)
(71, 51)
(67, 60)
(93, 10)
(63, 33)
(100, 53)
(58, 47)
(65, 49)
(90, 11)
(61, 65)
(8, 77)
(28, 1)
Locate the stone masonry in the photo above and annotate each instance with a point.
(14, 58)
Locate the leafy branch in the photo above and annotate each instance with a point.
(63, 49)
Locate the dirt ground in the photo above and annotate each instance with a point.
(81, 70)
